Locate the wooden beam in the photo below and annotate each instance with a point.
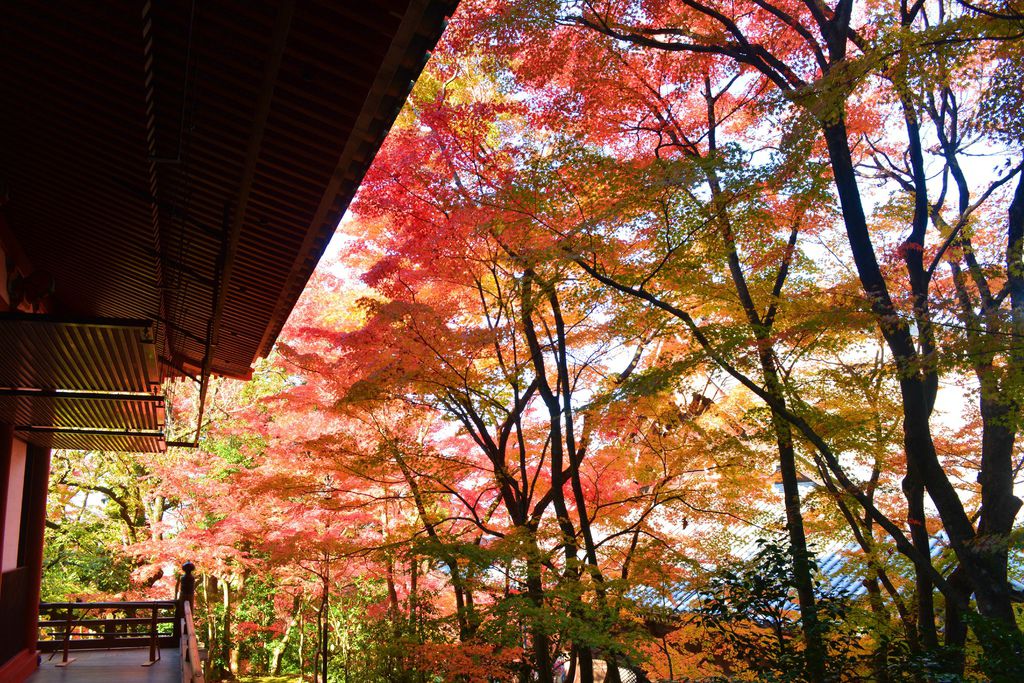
(32, 429)
(84, 395)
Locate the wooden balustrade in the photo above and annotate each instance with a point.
(188, 649)
(67, 626)
(191, 664)
(70, 626)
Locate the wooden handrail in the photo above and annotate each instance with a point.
(69, 627)
(116, 621)
(191, 664)
(140, 604)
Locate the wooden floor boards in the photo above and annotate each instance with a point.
(109, 666)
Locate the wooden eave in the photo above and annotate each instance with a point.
(137, 138)
(185, 164)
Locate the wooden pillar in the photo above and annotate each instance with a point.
(21, 539)
(6, 447)
(38, 475)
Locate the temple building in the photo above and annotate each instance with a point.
(170, 174)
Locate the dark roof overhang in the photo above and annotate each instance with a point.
(185, 163)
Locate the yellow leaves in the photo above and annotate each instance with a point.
(826, 97)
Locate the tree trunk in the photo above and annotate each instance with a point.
(913, 491)
(157, 516)
(540, 641)
(302, 647)
(227, 644)
(325, 623)
(955, 627)
(209, 586)
(999, 414)
(278, 651)
(392, 590)
(584, 665)
(413, 598)
(236, 647)
(983, 571)
(802, 565)
(880, 657)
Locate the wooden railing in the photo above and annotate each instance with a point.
(67, 626)
(70, 626)
(191, 664)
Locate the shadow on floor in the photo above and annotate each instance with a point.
(110, 666)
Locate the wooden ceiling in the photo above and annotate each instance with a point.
(67, 383)
(185, 162)
(160, 157)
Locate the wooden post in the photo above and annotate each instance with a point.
(188, 585)
(186, 603)
(6, 448)
(109, 629)
(186, 593)
(67, 639)
(154, 650)
(37, 474)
